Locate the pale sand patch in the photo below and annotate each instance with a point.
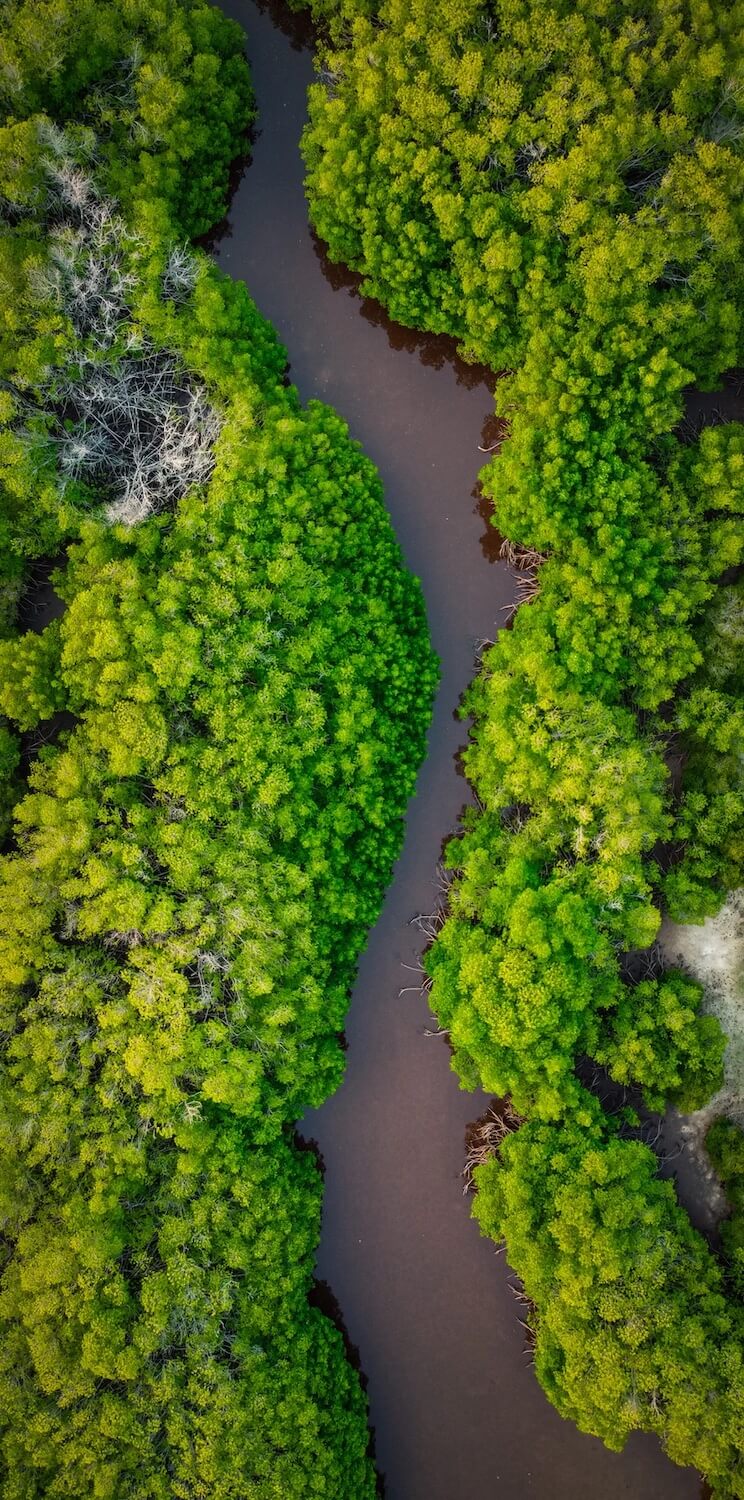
(713, 953)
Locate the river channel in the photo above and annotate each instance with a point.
(456, 1410)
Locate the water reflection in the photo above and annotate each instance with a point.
(322, 1296)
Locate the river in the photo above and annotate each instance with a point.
(456, 1410)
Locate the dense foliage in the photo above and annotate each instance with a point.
(489, 167)
(233, 707)
(634, 1328)
(725, 1145)
(555, 185)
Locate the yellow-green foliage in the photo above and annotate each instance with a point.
(555, 185)
(196, 862)
(634, 1329)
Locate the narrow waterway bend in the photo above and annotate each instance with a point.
(456, 1410)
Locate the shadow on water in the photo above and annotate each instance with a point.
(456, 1411)
(491, 541)
(310, 1147)
(494, 434)
(433, 349)
(222, 230)
(322, 1297)
(295, 25)
(39, 604)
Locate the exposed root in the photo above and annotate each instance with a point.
(430, 923)
(644, 963)
(529, 1321)
(486, 1136)
(522, 559)
(424, 988)
(526, 562)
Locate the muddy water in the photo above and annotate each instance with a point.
(457, 1412)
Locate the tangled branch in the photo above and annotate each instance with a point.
(126, 417)
(486, 1137)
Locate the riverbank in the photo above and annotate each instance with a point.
(455, 1405)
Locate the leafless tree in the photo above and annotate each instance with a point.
(181, 273)
(127, 418)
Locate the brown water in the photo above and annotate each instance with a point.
(457, 1412)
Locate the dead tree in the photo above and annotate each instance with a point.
(127, 419)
